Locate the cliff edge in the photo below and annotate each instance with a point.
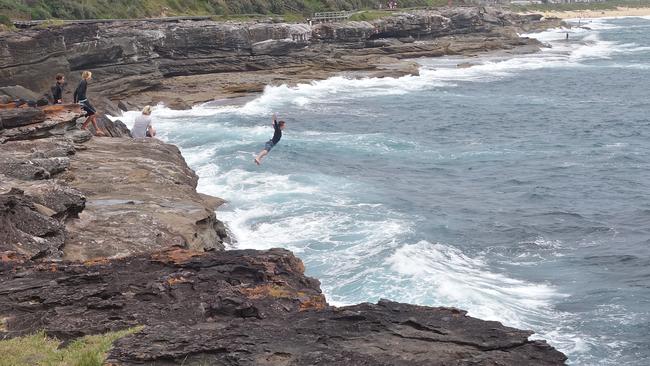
(66, 195)
(101, 234)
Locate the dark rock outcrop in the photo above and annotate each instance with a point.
(37, 123)
(244, 307)
(27, 230)
(385, 334)
(175, 287)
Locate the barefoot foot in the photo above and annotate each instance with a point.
(257, 161)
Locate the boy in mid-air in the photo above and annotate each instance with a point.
(278, 126)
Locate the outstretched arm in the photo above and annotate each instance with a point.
(275, 120)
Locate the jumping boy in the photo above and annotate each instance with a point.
(80, 97)
(278, 126)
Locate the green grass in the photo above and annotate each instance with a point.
(50, 23)
(106, 9)
(40, 350)
(371, 15)
(6, 24)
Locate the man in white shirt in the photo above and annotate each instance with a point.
(142, 126)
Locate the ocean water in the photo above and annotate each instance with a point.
(517, 189)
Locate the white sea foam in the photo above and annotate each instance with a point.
(426, 271)
(433, 74)
(323, 214)
(446, 274)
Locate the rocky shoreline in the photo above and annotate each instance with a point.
(182, 63)
(102, 234)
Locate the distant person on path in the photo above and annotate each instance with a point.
(57, 89)
(278, 126)
(80, 97)
(142, 126)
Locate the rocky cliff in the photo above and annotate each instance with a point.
(100, 234)
(65, 195)
(185, 62)
(244, 307)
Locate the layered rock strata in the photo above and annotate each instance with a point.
(244, 307)
(100, 234)
(66, 195)
(186, 62)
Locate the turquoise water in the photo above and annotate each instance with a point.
(516, 189)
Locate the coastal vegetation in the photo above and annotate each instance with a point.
(5, 22)
(39, 349)
(109, 9)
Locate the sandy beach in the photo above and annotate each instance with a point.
(618, 12)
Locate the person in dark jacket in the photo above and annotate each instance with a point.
(278, 126)
(57, 89)
(81, 98)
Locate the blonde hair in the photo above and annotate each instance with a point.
(146, 110)
(86, 75)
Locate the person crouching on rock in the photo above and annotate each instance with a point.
(80, 97)
(278, 126)
(142, 126)
(57, 89)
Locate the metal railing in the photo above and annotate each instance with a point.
(331, 16)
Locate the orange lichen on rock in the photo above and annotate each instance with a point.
(267, 290)
(12, 257)
(96, 262)
(275, 291)
(177, 280)
(313, 303)
(46, 267)
(8, 106)
(176, 255)
(50, 109)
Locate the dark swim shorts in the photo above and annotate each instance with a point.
(86, 106)
(269, 145)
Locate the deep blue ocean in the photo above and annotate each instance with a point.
(517, 189)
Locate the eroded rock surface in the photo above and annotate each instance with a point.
(81, 197)
(27, 231)
(141, 197)
(385, 334)
(176, 287)
(186, 62)
(244, 307)
(86, 224)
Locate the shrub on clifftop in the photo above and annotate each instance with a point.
(98, 9)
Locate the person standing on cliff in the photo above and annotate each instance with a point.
(142, 126)
(80, 97)
(57, 89)
(278, 126)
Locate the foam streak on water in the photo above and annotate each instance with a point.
(510, 188)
